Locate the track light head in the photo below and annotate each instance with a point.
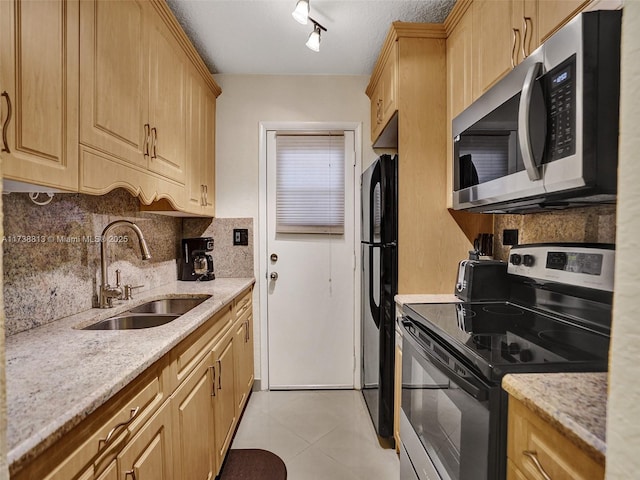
(313, 43)
(301, 12)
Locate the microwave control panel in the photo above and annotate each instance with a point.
(561, 110)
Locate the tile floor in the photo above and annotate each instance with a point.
(318, 434)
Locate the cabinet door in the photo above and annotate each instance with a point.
(244, 364)
(552, 15)
(389, 85)
(200, 167)
(39, 85)
(148, 456)
(167, 103)
(195, 146)
(192, 411)
(225, 408)
(460, 65)
(114, 91)
(209, 159)
(494, 43)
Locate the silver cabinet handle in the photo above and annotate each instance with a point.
(213, 377)
(112, 432)
(534, 458)
(219, 375)
(514, 47)
(525, 51)
(132, 473)
(5, 147)
(146, 139)
(154, 140)
(206, 195)
(524, 109)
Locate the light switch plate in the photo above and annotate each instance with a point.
(240, 236)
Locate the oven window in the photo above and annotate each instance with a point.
(452, 425)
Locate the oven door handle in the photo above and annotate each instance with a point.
(479, 393)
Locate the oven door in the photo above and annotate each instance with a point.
(447, 408)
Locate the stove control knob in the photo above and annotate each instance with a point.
(515, 258)
(526, 356)
(528, 260)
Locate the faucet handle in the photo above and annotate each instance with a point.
(117, 277)
(128, 291)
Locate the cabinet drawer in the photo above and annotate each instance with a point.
(531, 438)
(191, 350)
(243, 303)
(117, 421)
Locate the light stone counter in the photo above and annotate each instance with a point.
(57, 374)
(574, 403)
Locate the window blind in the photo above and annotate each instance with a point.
(310, 184)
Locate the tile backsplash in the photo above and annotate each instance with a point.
(52, 256)
(590, 224)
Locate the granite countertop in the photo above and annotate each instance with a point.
(57, 375)
(574, 403)
(426, 298)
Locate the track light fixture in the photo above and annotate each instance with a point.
(301, 15)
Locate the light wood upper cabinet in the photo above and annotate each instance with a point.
(383, 93)
(133, 102)
(39, 86)
(201, 114)
(494, 43)
(114, 92)
(460, 65)
(167, 103)
(552, 15)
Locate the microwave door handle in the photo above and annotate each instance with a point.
(524, 110)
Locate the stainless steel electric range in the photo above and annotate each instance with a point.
(555, 317)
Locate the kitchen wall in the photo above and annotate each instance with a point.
(4, 469)
(592, 224)
(246, 101)
(52, 259)
(623, 410)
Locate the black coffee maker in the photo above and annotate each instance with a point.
(195, 262)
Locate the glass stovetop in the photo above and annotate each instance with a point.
(503, 335)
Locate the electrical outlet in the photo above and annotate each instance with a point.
(240, 236)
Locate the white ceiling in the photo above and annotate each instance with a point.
(261, 36)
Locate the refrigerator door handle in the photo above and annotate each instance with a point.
(375, 309)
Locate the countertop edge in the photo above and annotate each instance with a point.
(27, 450)
(520, 387)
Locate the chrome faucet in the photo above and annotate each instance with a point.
(107, 292)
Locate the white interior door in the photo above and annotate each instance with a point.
(310, 306)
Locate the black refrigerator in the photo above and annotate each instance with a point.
(379, 253)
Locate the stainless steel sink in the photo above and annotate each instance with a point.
(150, 314)
(169, 305)
(129, 321)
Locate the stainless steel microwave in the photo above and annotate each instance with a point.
(546, 135)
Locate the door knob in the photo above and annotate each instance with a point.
(274, 257)
(274, 275)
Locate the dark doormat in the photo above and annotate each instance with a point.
(253, 464)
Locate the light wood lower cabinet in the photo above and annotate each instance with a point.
(224, 388)
(534, 446)
(175, 421)
(148, 455)
(193, 432)
(39, 86)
